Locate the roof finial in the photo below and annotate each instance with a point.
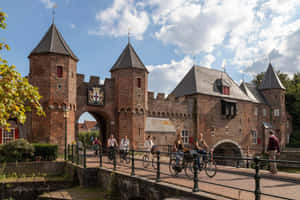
(129, 35)
(223, 65)
(53, 12)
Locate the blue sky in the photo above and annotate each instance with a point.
(169, 35)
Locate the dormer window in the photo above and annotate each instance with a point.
(59, 71)
(226, 90)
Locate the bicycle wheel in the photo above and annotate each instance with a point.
(127, 158)
(146, 161)
(210, 168)
(154, 162)
(172, 168)
(189, 169)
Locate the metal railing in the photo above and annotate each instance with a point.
(79, 156)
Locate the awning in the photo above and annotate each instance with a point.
(229, 101)
(159, 125)
(267, 125)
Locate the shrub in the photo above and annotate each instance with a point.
(45, 151)
(17, 150)
(85, 137)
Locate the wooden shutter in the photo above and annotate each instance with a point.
(16, 133)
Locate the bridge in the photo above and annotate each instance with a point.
(159, 183)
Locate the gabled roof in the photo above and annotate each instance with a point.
(53, 42)
(202, 80)
(252, 92)
(271, 80)
(128, 59)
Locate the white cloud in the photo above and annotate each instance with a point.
(48, 3)
(207, 60)
(123, 15)
(72, 26)
(165, 77)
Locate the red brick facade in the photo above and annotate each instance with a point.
(128, 103)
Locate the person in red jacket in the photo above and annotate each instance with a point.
(273, 149)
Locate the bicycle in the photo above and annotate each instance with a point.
(208, 165)
(146, 159)
(124, 156)
(183, 164)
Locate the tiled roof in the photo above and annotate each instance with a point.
(252, 92)
(53, 42)
(90, 124)
(202, 80)
(271, 80)
(128, 59)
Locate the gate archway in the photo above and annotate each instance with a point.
(230, 149)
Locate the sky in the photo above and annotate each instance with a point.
(169, 36)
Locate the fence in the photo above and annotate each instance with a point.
(108, 158)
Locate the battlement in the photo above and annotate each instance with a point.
(94, 80)
(162, 97)
(80, 79)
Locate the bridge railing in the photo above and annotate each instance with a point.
(134, 162)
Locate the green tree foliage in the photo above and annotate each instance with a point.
(292, 100)
(85, 137)
(17, 96)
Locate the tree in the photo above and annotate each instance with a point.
(17, 96)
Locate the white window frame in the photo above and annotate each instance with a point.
(6, 135)
(253, 137)
(185, 136)
(276, 112)
(264, 112)
(255, 111)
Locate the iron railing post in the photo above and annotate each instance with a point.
(158, 167)
(132, 163)
(68, 152)
(257, 178)
(114, 159)
(100, 154)
(72, 150)
(196, 188)
(77, 154)
(84, 156)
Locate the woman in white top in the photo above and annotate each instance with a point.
(124, 147)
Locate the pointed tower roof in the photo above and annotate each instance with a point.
(128, 59)
(53, 42)
(271, 80)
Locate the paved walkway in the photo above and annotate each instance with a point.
(227, 183)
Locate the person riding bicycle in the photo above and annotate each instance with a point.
(148, 144)
(111, 145)
(178, 148)
(96, 145)
(124, 148)
(201, 148)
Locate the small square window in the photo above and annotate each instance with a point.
(59, 71)
(254, 137)
(185, 136)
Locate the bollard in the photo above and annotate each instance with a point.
(114, 157)
(132, 163)
(84, 156)
(257, 178)
(77, 154)
(72, 150)
(158, 167)
(196, 188)
(100, 154)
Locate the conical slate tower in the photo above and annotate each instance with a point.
(53, 42)
(271, 80)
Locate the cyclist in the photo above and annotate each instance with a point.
(148, 144)
(111, 145)
(96, 145)
(124, 148)
(178, 148)
(201, 148)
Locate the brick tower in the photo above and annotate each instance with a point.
(53, 71)
(131, 97)
(274, 92)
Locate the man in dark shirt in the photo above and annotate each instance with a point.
(273, 149)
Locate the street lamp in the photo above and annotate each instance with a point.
(66, 117)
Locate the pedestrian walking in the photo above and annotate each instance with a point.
(273, 150)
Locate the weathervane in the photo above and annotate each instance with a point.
(129, 35)
(53, 12)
